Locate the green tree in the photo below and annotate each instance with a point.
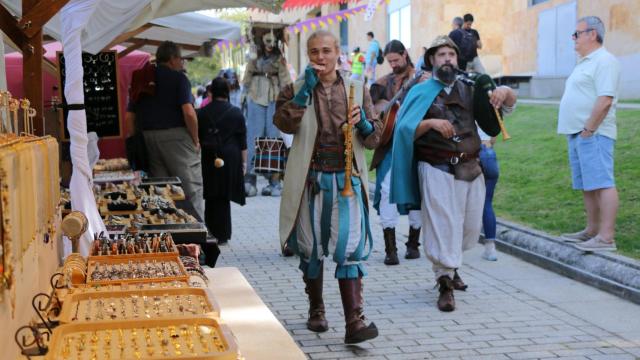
(201, 70)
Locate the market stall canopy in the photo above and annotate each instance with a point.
(113, 18)
(189, 30)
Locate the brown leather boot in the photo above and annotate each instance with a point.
(458, 284)
(446, 302)
(356, 329)
(413, 243)
(390, 248)
(317, 321)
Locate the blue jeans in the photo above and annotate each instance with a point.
(259, 124)
(491, 172)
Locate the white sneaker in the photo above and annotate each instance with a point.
(490, 253)
(575, 237)
(597, 244)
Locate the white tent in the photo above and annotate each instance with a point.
(187, 29)
(90, 25)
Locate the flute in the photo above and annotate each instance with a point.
(347, 129)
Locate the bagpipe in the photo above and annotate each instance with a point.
(488, 117)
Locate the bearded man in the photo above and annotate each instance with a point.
(316, 219)
(435, 164)
(382, 92)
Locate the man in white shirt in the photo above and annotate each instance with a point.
(587, 117)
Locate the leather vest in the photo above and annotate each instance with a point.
(457, 107)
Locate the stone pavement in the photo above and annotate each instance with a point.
(512, 309)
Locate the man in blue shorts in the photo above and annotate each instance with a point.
(588, 118)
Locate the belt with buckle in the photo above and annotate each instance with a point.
(438, 157)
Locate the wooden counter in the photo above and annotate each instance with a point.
(258, 333)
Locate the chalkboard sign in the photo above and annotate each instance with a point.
(101, 99)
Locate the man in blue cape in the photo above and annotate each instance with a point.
(435, 166)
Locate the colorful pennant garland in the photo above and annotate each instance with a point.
(292, 4)
(323, 21)
(223, 45)
(315, 23)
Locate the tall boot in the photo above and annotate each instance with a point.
(356, 329)
(390, 248)
(313, 287)
(413, 243)
(446, 302)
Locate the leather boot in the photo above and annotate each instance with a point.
(317, 321)
(356, 329)
(458, 284)
(446, 302)
(413, 243)
(390, 248)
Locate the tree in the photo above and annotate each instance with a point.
(202, 70)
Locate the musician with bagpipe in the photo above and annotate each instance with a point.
(324, 205)
(435, 164)
(387, 94)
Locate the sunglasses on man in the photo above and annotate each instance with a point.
(576, 34)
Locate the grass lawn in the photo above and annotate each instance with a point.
(535, 181)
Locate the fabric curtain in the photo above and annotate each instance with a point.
(74, 17)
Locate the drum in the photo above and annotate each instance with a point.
(271, 155)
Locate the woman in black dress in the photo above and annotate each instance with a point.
(222, 131)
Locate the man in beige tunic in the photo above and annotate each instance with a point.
(316, 220)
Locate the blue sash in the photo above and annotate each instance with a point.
(405, 191)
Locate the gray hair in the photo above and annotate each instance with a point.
(594, 22)
(458, 21)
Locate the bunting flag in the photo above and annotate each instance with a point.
(292, 4)
(322, 21)
(223, 45)
(371, 9)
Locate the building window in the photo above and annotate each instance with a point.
(536, 2)
(400, 21)
(344, 31)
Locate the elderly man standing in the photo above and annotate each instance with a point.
(588, 118)
(170, 126)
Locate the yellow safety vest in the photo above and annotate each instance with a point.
(356, 65)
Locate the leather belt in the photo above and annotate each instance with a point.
(328, 159)
(438, 157)
(266, 74)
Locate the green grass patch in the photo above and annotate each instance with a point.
(535, 180)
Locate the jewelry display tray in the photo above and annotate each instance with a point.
(124, 259)
(98, 288)
(127, 257)
(230, 352)
(71, 303)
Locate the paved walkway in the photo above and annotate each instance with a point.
(512, 310)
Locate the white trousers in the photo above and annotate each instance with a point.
(451, 215)
(389, 212)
